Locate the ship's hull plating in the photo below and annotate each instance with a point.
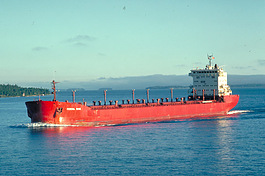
(66, 113)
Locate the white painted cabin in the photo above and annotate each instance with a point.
(210, 79)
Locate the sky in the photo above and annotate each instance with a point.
(83, 40)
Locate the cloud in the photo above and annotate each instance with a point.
(242, 68)
(80, 44)
(181, 66)
(197, 63)
(101, 54)
(39, 48)
(261, 62)
(80, 39)
(102, 78)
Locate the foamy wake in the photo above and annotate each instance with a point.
(238, 111)
(39, 125)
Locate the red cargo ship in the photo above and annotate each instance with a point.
(210, 96)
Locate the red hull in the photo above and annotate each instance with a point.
(66, 113)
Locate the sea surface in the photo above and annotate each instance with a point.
(223, 145)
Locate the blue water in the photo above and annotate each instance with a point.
(227, 145)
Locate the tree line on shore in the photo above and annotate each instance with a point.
(17, 91)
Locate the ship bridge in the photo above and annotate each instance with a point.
(210, 81)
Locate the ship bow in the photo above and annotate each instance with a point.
(34, 111)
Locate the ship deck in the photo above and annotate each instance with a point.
(139, 105)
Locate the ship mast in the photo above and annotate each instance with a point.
(54, 90)
(210, 57)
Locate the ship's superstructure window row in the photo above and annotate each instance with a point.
(195, 72)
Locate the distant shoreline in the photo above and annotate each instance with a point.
(24, 96)
(248, 86)
(8, 90)
(232, 86)
(167, 87)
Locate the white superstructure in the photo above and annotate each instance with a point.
(212, 79)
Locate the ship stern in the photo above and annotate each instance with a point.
(231, 101)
